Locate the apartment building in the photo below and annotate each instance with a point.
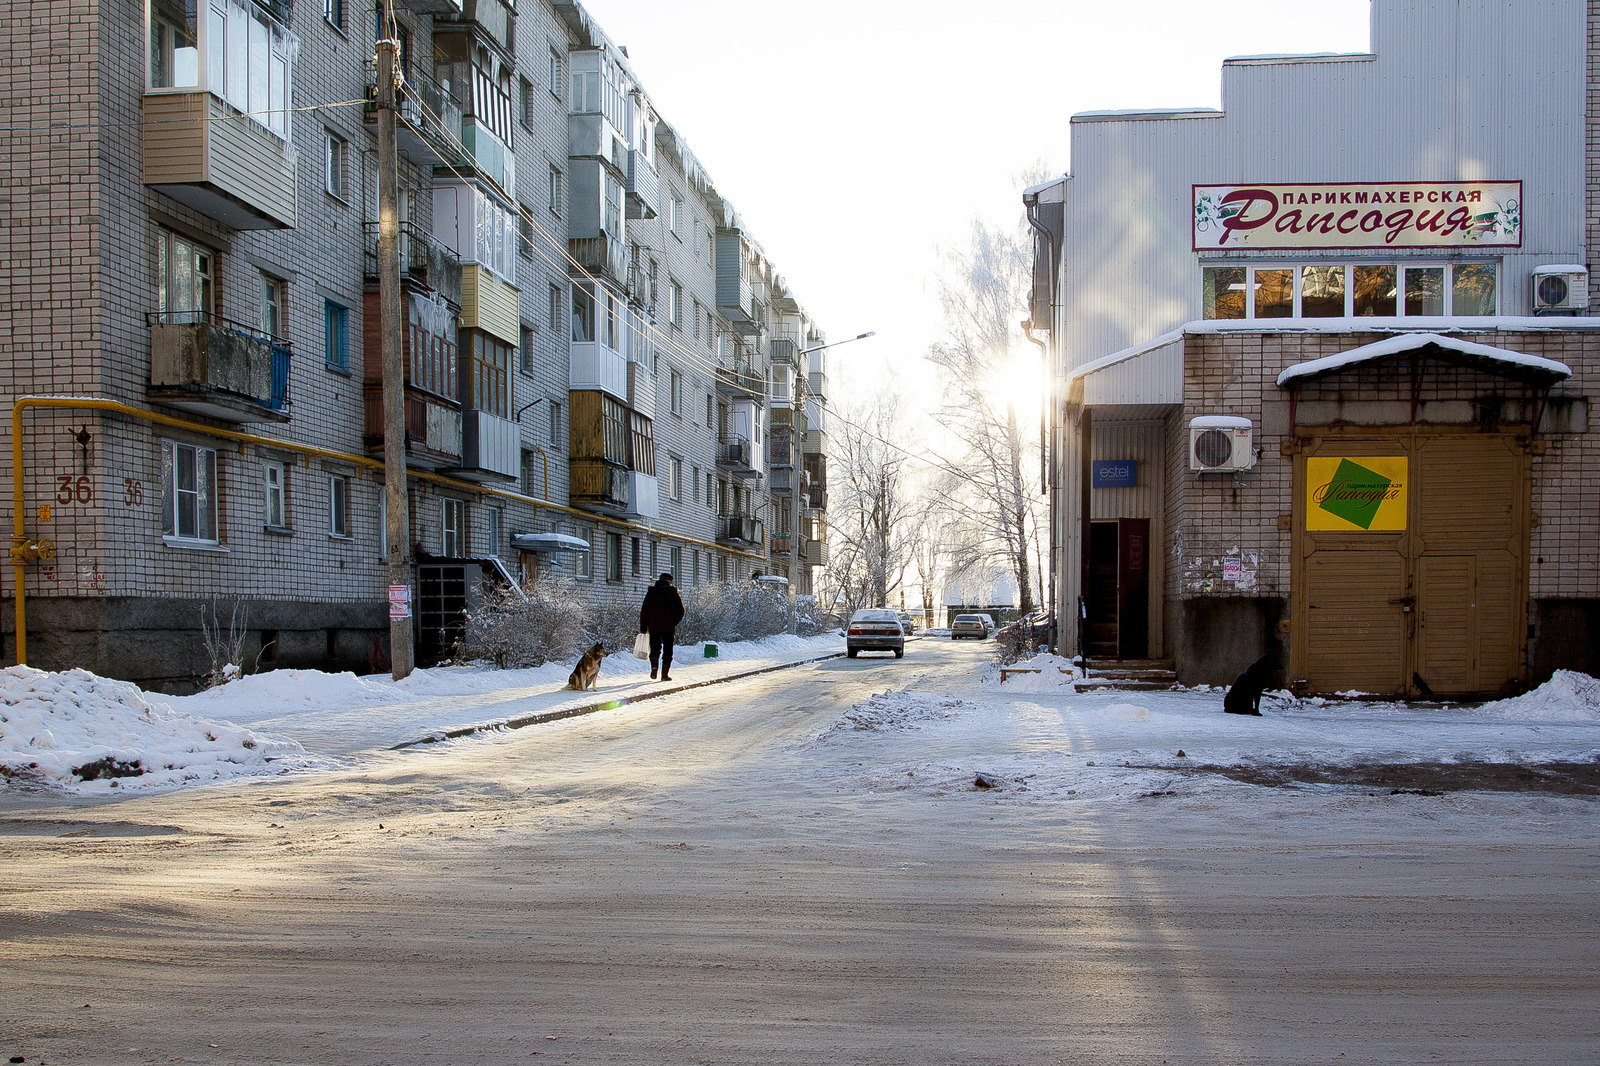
(1323, 361)
(192, 351)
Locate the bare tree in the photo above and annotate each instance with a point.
(871, 515)
(983, 290)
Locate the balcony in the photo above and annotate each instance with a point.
(491, 447)
(198, 151)
(217, 368)
(602, 256)
(741, 382)
(782, 481)
(424, 262)
(817, 382)
(780, 546)
(784, 350)
(814, 552)
(780, 448)
(735, 297)
(815, 442)
(433, 7)
(592, 365)
(598, 485)
(495, 19)
(433, 428)
(490, 303)
(644, 186)
(739, 529)
(430, 119)
(641, 388)
(738, 458)
(644, 495)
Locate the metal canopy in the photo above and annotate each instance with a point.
(1518, 366)
(548, 542)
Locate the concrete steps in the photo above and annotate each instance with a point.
(1130, 675)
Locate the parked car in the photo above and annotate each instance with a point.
(907, 624)
(1035, 626)
(875, 629)
(969, 626)
(988, 621)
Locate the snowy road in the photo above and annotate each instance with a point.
(755, 873)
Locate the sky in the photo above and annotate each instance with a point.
(859, 138)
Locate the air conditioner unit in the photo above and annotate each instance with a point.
(1221, 443)
(1560, 288)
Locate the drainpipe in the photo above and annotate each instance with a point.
(1047, 436)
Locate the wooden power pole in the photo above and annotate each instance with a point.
(402, 656)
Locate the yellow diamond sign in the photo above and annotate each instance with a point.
(1358, 494)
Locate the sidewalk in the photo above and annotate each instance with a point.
(340, 715)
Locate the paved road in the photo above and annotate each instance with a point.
(700, 880)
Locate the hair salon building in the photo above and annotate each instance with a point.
(1323, 363)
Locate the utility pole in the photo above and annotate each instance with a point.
(397, 521)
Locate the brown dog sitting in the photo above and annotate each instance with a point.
(587, 672)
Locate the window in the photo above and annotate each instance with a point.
(275, 487)
(188, 492)
(555, 307)
(676, 393)
(613, 556)
(675, 478)
(272, 297)
(525, 106)
(555, 423)
(333, 11)
(530, 473)
(338, 505)
(581, 558)
(675, 215)
(452, 528)
(710, 410)
(335, 155)
(675, 559)
(555, 190)
(697, 320)
(556, 81)
(183, 278)
(493, 526)
(637, 556)
(336, 335)
(486, 369)
(612, 222)
(1340, 290)
(675, 304)
(524, 231)
(525, 348)
(694, 479)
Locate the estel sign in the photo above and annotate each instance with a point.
(1384, 214)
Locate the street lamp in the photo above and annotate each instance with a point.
(832, 344)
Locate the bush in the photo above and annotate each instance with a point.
(548, 620)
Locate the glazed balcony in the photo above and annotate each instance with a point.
(817, 383)
(215, 367)
(814, 552)
(815, 442)
(740, 530)
(780, 546)
(490, 447)
(780, 448)
(602, 256)
(490, 303)
(199, 151)
(644, 186)
(424, 262)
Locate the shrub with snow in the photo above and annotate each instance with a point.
(548, 620)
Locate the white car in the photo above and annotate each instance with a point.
(875, 629)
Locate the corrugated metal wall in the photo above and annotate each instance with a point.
(1466, 90)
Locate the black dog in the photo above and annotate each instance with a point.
(1245, 695)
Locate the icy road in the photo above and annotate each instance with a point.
(796, 868)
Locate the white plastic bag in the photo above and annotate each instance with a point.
(641, 646)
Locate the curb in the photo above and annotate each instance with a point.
(600, 705)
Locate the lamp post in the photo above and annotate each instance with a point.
(835, 344)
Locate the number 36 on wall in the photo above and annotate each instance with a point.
(71, 489)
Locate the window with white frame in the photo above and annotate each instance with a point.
(554, 190)
(556, 82)
(675, 304)
(694, 479)
(1350, 290)
(452, 528)
(675, 478)
(613, 556)
(675, 392)
(333, 11)
(675, 215)
(338, 505)
(189, 492)
(272, 300)
(526, 109)
(581, 558)
(275, 486)
(493, 525)
(555, 423)
(335, 160)
(675, 559)
(554, 315)
(183, 278)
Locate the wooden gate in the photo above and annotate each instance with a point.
(1410, 564)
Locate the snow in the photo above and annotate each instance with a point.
(1037, 733)
(1411, 342)
(1219, 422)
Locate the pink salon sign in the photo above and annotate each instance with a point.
(1385, 214)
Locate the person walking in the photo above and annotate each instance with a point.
(659, 615)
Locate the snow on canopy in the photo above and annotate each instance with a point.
(1516, 364)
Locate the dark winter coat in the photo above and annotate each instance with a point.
(662, 609)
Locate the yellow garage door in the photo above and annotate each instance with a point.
(1410, 563)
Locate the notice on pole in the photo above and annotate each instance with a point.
(399, 601)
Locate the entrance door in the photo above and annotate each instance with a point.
(1425, 592)
(1119, 589)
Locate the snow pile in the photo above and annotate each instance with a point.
(79, 732)
(1567, 697)
(891, 711)
(1055, 675)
